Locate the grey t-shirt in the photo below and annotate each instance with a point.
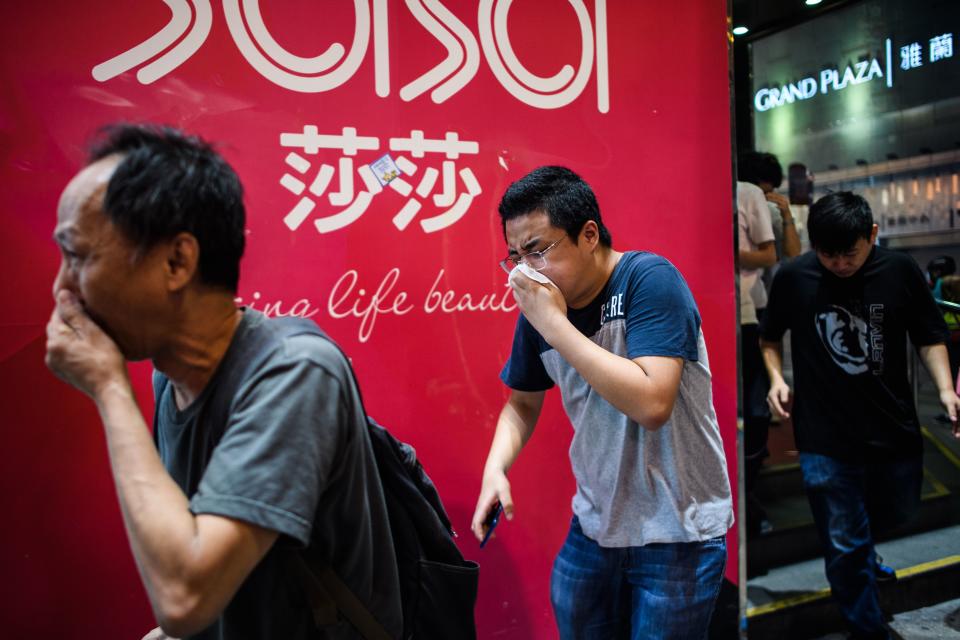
(634, 486)
(292, 456)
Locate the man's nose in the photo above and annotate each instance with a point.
(63, 280)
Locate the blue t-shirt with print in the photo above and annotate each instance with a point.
(636, 486)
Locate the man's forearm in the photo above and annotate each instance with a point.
(619, 380)
(791, 239)
(773, 360)
(155, 510)
(514, 428)
(937, 361)
(757, 259)
(177, 562)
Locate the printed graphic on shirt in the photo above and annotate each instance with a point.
(612, 309)
(876, 338)
(845, 337)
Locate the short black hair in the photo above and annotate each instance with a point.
(756, 167)
(567, 200)
(837, 221)
(169, 182)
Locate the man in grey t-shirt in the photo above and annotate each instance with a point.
(246, 476)
(619, 333)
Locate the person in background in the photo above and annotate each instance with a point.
(850, 306)
(756, 251)
(764, 171)
(230, 491)
(936, 269)
(620, 334)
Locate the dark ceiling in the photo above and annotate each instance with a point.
(765, 16)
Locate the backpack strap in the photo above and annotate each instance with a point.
(327, 595)
(324, 585)
(322, 604)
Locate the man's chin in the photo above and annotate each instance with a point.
(128, 354)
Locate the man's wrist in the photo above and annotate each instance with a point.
(112, 390)
(776, 378)
(553, 328)
(495, 471)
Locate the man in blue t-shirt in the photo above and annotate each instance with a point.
(619, 333)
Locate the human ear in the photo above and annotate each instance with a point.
(590, 234)
(182, 260)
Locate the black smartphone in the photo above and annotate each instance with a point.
(493, 518)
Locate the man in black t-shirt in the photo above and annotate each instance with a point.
(850, 307)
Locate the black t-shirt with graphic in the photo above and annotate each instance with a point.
(848, 339)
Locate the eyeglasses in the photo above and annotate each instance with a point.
(534, 259)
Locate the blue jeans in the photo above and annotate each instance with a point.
(850, 503)
(664, 590)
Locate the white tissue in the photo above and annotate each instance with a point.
(533, 274)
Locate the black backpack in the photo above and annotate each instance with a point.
(438, 588)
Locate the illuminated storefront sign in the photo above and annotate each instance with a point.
(832, 79)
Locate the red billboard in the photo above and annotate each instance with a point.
(374, 139)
